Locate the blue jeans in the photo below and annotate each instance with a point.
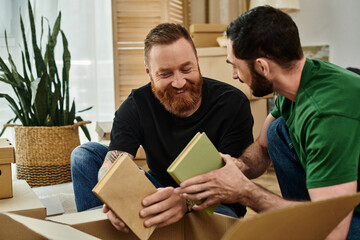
(289, 171)
(86, 161)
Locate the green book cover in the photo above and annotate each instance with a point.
(198, 157)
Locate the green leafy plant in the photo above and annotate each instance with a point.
(42, 96)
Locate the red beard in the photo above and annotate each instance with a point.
(179, 106)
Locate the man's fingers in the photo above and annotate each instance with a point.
(197, 196)
(105, 209)
(196, 180)
(160, 195)
(208, 202)
(116, 222)
(225, 157)
(192, 189)
(159, 218)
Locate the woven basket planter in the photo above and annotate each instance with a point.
(43, 153)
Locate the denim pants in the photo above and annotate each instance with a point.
(86, 161)
(289, 171)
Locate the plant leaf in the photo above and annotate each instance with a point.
(39, 61)
(66, 70)
(26, 78)
(14, 72)
(84, 110)
(84, 128)
(50, 56)
(41, 100)
(34, 87)
(70, 118)
(54, 102)
(27, 55)
(14, 107)
(4, 79)
(42, 32)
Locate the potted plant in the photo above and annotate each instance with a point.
(49, 130)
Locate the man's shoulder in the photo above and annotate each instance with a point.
(141, 90)
(137, 97)
(216, 87)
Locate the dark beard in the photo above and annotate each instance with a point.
(179, 105)
(260, 86)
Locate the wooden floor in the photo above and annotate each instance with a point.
(268, 181)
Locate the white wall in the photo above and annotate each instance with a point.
(333, 22)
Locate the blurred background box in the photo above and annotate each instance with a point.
(7, 156)
(204, 35)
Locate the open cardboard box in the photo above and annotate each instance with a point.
(195, 225)
(24, 202)
(311, 220)
(15, 226)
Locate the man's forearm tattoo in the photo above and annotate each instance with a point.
(110, 158)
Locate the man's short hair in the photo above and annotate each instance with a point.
(165, 33)
(265, 32)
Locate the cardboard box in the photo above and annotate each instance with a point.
(310, 221)
(24, 202)
(7, 156)
(204, 35)
(195, 225)
(103, 130)
(15, 226)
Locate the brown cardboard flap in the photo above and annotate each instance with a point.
(15, 226)
(95, 223)
(7, 152)
(200, 226)
(12, 229)
(311, 220)
(193, 226)
(24, 201)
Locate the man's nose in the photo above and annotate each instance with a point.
(179, 81)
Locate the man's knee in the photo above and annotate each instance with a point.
(275, 132)
(86, 152)
(78, 153)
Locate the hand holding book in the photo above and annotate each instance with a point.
(198, 157)
(122, 189)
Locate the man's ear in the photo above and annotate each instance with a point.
(147, 70)
(262, 66)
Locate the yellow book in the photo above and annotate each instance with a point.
(122, 189)
(198, 157)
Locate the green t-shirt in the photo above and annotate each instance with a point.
(324, 123)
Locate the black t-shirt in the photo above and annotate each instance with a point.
(224, 115)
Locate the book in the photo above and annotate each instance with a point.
(122, 189)
(199, 156)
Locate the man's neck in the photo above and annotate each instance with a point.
(287, 82)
